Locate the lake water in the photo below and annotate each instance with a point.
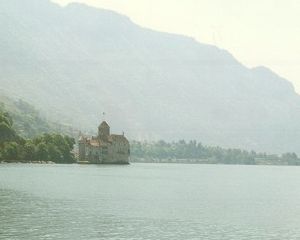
(149, 201)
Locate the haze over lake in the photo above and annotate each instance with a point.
(149, 201)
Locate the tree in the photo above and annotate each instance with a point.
(10, 151)
(54, 153)
(290, 158)
(41, 152)
(28, 152)
(7, 133)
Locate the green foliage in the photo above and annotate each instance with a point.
(10, 151)
(47, 147)
(28, 152)
(6, 118)
(54, 147)
(192, 151)
(7, 133)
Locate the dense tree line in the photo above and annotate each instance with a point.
(162, 151)
(47, 147)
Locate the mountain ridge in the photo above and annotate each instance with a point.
(75, 62)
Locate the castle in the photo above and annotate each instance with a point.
(104, 148)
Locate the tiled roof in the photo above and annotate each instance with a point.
(98, 143)
(94, 143)
(117, 138)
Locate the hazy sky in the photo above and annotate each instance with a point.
(256, 32)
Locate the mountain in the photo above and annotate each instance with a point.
(75, 62)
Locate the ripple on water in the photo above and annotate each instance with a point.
(201, 202)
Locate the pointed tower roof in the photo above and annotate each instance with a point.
(103, 124)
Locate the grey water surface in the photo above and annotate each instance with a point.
(149, 201)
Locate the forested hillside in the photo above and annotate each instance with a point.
(29, 122)
(44, 148)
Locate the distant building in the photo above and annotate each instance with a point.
(104, 148)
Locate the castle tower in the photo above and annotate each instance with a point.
(103, 131)
(81, 145)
